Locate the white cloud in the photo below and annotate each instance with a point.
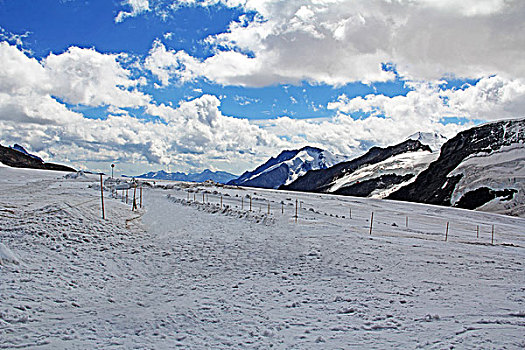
(85, 76)
(137, 7)
(340, 41)
(490, 98)
(194, 135)
(77, 76)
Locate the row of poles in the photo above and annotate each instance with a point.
(296, 216)
(134, 206)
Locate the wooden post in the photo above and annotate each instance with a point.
(492, 239)
(203, 198)
(127, 190)
(477, 231)
(194, 196)
(371, 222)
(221, 201)
(141, 196)
(242, 203)
(188, 196)
(134, 206)
(268, 208)
(102, 197)
(406, 221)
(350, 213)
(282, 208)
(446, 233)
(296, 205)
(250, 203)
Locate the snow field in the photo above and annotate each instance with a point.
(390, 218)
(183, 274)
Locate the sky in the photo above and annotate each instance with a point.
(190, 85)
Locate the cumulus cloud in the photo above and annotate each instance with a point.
(77, 76)
(193, 134)
(137, 7)
(341, 41)
(489, 99)
(85, 76)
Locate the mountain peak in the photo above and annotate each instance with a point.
(432, 139)
(287, 167)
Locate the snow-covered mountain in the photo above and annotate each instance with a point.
(480, 168)
(378, 180)
(215, 176)
(432, 139)
(374, 173)
(287, 167)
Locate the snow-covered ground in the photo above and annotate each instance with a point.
(178, 273)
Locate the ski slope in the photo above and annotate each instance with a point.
(185, 272)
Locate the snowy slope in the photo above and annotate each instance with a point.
(287, 167)
(501, 170)
(411, 164)
(480, 168)
(197, 276)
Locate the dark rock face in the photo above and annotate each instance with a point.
(432, 186)
(478, 197)
(365, 188)
(320, 180)
(18, 159)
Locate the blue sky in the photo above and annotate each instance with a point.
(224, 84)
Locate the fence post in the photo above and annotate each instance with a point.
(102, 197)
(296, 205)
(127, 191)
(282, 207)
(492, 239)
(250, 203)
(371, 222)
(134, 207)
(194, 196)
(242, 203)
(268, 208)
(350, 212)
(188, 199)
(221, 201)
(141, 196)
(446, 232)
(477, 231)
(406, 221)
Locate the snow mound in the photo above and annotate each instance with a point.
(7, 256)
(227, 210)
(78, 175)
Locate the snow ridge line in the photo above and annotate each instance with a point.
(264, 219)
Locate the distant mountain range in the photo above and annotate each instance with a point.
(18, 157)
(287, 167)
(480, 168)
(215, 176)
(379, 169)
